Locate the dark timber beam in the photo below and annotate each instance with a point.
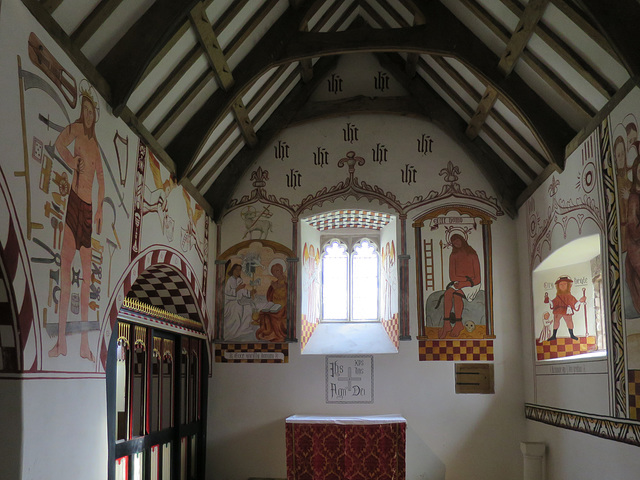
(618, 21)
(442, 34)
(94, 21)
(127, 61)
(517, 43)
(504, 181)
(186, 145)
(209, 43)
(224, 185)
(51, 5)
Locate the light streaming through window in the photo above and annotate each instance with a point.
(365, 282)
(350, 281)
(335, 286)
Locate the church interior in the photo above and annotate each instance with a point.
(319, 239)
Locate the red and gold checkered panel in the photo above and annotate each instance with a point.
(455, 350)
(392, 327)
(634, 394)
(252, 353)
(307, 330)
(565, 347)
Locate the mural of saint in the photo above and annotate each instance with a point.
(87, 166)
(238, 304)
(564, 305)
(273, 317)
(465, 277)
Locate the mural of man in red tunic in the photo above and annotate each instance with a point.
(564, 305)
(464, 273)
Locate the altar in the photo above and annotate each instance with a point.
(346, 448)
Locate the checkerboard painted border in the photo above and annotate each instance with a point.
(634, 394)
(565, 347)
(455, 350)
(307, 329)
(252, 353)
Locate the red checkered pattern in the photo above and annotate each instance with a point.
(565, 347)
(634, 394)
(282, 348)
(349, 219)
(455, 350)
(307, 330)
(392, 327)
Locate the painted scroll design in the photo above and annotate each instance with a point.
(562, 212)
(603, 427)
(353, 187)
(615, 288)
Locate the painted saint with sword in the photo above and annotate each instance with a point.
(86, 162)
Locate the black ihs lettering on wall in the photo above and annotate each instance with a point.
(294, 178)
(350, 133)
(281, 150)
(425, 144)
(381, 81)
(408, 174)
(334, 83)
(379, 153)
(321, 157)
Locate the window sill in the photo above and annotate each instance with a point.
(349, 338)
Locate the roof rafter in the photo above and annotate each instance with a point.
(589, 73)
(442, 34)
(126, 62)
(504, 181)
(94, 20)
(548, 75)
(618, 21)
(515, 47)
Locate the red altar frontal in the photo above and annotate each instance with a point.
(346, 448)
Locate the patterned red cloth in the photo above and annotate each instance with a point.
(345, 452)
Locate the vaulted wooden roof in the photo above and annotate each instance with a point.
(208, 84)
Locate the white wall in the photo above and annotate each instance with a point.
(448, 436)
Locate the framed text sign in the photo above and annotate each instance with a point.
(349, 379)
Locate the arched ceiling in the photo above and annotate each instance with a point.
(208, 84)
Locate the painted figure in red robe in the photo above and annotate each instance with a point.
(464, 273)
(273, 325)
(564, 305)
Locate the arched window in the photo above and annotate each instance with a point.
(350, 280)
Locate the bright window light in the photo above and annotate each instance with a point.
(350, 281)
(335, 286)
